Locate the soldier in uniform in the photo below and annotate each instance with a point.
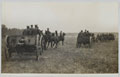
(80, 38)
(26, 31)
(48, 32)
(61, 33)
(31, 30)
(81, 33)
(36, 30)
(56, 33)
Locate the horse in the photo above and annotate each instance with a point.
(62, 38)
(54, 40)
(85, 39)
(51, 39)
(47, 38)
(105, 37)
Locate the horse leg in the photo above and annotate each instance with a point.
(79, 45)
(44, 46)
(48, 44)
(51, 44)
(56, 45)
(58, 42)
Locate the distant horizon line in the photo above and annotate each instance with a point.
(73, 32)
(76, 32)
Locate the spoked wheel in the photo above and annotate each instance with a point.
(6, 53)
(39, 47)
(43, 46)
(39, 52)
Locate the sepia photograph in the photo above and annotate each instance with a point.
(59, 37)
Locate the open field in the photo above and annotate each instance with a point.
(100, 58)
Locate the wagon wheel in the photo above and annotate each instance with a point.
(6, 53)
(38, 47)
(91, 42)
(43, 44)
(38, 52)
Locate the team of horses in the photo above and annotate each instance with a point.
(84, 38)
(53, 39)
(48, 37)
(87, 39)
(105, 37)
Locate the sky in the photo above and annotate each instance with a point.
(66, 16)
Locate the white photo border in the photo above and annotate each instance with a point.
(61, 75)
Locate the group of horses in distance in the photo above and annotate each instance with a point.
(53, 39)
(87, 38)
(105, 37)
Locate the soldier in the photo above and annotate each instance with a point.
(36, 31)
(48, 32)
(56, 33)
(31, 30)
(80, 34)
(26, 31)
(87, 32)
(80, 38)
(45, 32)
(61, 33)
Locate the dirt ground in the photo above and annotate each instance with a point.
(100, 58)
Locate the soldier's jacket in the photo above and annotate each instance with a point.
(36, 31)
(31, 31)
(26, 32)
(48, 32)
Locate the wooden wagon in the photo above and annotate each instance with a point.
(25, 43)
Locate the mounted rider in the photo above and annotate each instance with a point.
(47, 32)
(36, 30)
(61, 33)
(80, 36)
(31, 30)
(26, 31)
(56, 33)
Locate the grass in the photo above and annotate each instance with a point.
(101, 58)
